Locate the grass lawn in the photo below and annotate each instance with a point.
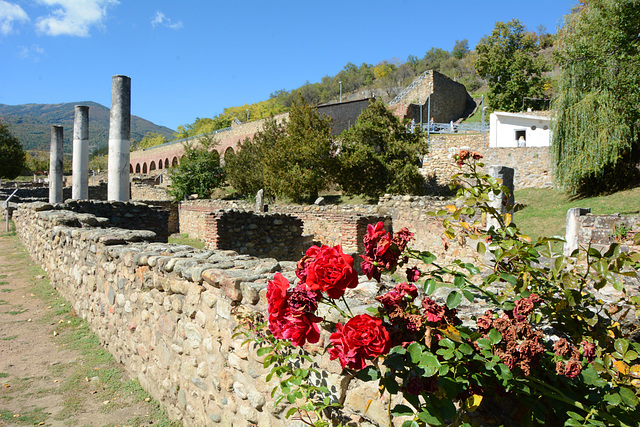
(545, 210)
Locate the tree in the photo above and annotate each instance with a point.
(299, 163)
(12, 155)
(199, 171)
(291, 159)
(151, 139)
(597, 127)
(508, 59)
(379, 155)
(245, 169)
(460, 49)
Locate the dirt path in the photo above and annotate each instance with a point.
(52, 370)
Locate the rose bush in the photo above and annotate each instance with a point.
(546, 346)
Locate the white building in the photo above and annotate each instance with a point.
(519, 129)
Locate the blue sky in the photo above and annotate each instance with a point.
(193, 58)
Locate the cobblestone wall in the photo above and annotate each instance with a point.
(329, 225)
(602, 230)
(531, 164)
(167, 312)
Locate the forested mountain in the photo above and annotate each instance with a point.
(31, 123)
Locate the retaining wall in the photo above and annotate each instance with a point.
(167, 312)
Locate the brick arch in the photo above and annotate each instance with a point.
(137, 167)
(229, 150)
(144, 167)
(175, 161)
(152, 166)
(166, 163)
(130, 168)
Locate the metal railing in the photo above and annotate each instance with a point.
(6, 202)
(451, 128)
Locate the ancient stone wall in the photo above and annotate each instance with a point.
(329, 225)
(531, 164)
(600, 231)
(263, 235)
(167, 312)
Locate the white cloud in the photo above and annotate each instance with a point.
(73, 17)
(34, 52)
(10, 13)
(161, 19)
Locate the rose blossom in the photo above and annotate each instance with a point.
(362, 337)
(523, 307)
(277, 293)
(589, 351)
(303, 264)
(413, 274)
(301, 298)
(395, 296)
(562, 347)
(434, 311)
(301, 328)
(573, 368)
(331, 272)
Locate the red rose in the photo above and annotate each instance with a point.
(413, 274)
(331, 272)
(434, 311)
(295, 326)
(301, 328)
(277, 293)
(395, 297)
(362, 337)
(303, 264)
(589, 351)
(372, 244)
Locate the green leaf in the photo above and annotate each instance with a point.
(427, 257)
(264, 350)
(410, 423)
(458, 281)
(291, 412)
(508, 278)
(613, 399)
(575, 415)
(369, 373)
(468, 295)
(415, 351)
(454, 299)
(430, 416)
(430, 286)
(402, 411)
(430, 364)
(481, 248)
(494, 336)
(621, 345)
(628, 397)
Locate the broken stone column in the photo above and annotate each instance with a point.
(260, 201)
(55, 165)
(572, 232)
(80, 188)
(501, 202)
(119, 144)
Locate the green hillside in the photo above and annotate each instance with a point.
(31, 123)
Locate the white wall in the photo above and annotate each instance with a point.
(505, 127)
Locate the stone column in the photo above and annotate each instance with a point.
(572, 231)
(80, 188)
(55, 165)
(501, 202)
(260, 201)
(119, 144)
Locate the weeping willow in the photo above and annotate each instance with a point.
(596, 128)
